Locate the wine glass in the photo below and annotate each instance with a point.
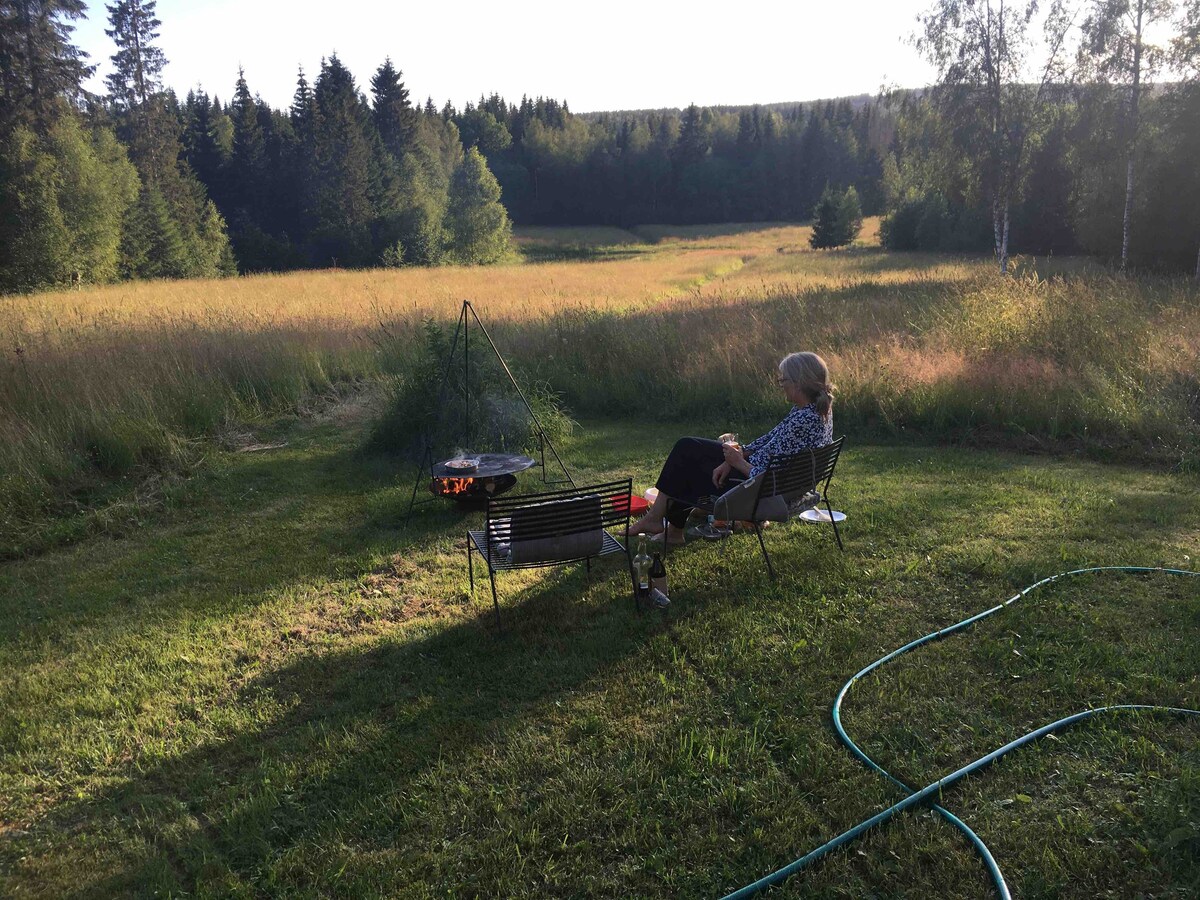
(714, 532)
(709, 531)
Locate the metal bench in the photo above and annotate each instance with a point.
(550, 529)
(789, 485)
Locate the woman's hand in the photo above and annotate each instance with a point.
(720, 473)
(735, 460)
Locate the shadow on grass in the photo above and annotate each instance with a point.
(363, 729)
(580, 253)
(257, 525)
(658, 233)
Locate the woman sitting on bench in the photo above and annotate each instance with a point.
(697, 465)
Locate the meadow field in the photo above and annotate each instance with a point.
(105, 390)
(232, 669)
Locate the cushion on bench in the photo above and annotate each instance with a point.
(557, 530)
(737, 503)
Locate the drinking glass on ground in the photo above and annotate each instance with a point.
(710, 531)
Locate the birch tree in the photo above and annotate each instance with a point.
(1115, 51)
(1185, 55)
(992, 90)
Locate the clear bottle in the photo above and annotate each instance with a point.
(641, 565)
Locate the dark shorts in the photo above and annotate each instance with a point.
(686, 476)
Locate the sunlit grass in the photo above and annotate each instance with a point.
(345, 300)
(272, 687)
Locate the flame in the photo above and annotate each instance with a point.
(451, 487)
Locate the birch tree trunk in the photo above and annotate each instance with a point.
(998, 231)
(1132, 133)
(1004, 242)
(1128, 211)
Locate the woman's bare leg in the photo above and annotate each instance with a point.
(652, 521)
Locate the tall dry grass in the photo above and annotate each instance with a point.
(112, 383)
(1108, 363)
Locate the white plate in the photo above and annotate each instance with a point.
(820, 515)
(462, 465)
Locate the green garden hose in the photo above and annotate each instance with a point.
(933, 791)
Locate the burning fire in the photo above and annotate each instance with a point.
(452, 487)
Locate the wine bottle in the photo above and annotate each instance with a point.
(658, 575)
(641, 565)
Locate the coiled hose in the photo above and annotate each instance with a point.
(926, 794)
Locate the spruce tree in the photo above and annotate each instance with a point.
(828, 221)
(302, 108)
(694, 139)
(41, 71)
(747, 136)
(248, 160)
(201, 146)
(151, 122)
(135, 90)
(137, 64)
(151, 245)
(393, 113)
(213, 247)
(341, 192)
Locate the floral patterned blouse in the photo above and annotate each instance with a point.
(801, 429)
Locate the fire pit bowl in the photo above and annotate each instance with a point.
(494, 473)
(472, 493)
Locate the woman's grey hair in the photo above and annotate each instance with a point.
(809, 372)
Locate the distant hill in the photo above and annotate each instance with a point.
(856, 101)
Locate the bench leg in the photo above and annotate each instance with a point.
(837, 535)
(633, 584)
(495, 602)
(470, 566)
(766, 555)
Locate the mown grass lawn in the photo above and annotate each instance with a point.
(269, 687)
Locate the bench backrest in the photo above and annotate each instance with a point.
(785, 482)
(558, 526)
(794, 475)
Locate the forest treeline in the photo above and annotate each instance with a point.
(136, 184)
(139, 183)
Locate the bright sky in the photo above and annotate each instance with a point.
(618, 54)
